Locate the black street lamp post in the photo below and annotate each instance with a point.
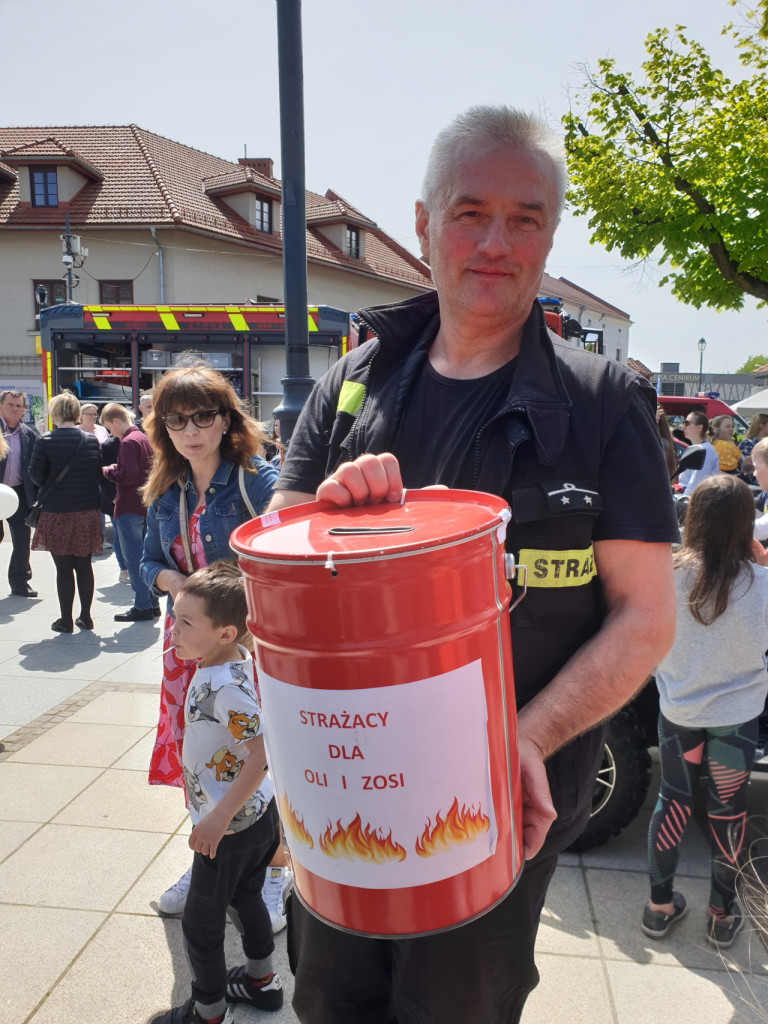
(297, 382)
(702, 346)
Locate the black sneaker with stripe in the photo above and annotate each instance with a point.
(264, 994)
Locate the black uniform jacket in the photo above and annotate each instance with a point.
(554, 452)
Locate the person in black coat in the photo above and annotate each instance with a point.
(70, 522)
(14, 471)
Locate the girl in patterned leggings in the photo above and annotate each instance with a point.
(712, 688)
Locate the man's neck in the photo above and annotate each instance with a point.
(466, 352)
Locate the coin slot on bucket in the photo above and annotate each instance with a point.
(349, 531)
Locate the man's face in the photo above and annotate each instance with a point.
(145, 406)
(488, 238)
(12, 410)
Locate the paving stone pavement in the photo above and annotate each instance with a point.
(86, 846)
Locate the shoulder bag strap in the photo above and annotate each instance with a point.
(184, 526)
(244, 493)
(49, 487)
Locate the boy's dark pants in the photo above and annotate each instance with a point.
(233, 878)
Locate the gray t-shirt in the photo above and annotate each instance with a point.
(716, 675)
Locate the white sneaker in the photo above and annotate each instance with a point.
(172, 900)
(277, 885)
(124, 576)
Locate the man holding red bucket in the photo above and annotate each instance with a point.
(467, 388)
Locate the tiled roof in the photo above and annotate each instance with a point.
(154, 181)
(561, 288)
(331, 209)
(7, 173)
(50, 150)
(239, 179)
(641, 368)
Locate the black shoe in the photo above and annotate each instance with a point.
(136, 615)
(656, 923)
(266, 994)
(187, 1014)
(62, 626)
(721, 931)
(25, 591)
(84, 623)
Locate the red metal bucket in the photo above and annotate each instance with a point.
(385, 669)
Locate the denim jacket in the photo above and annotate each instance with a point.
(224, 510)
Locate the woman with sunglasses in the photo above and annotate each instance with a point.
(204, 467)
(695, 429)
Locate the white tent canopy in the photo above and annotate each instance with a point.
(752, 405)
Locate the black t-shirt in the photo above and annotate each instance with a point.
(461, 407)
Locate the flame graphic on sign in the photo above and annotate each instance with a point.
(359, 842)
(458, 826)
(294, 824)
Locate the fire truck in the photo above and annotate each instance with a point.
(113, 353)
(568, 328)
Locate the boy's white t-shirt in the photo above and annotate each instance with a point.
(221, 711)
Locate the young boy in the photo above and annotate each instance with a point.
(231, 803)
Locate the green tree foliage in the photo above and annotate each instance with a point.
(674, 166)
(752, 364)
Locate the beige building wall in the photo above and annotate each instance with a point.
(615, 329)
(195, 268)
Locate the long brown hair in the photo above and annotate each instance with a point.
(717, 543)
(715, 423)
(668, 444)
(756, 424)
(701, 420)
(197, 386)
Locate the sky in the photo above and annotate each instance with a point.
(380, 80)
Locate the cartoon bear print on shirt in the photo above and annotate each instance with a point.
(242, 727)
(226, 764)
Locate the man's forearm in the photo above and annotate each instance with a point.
(600, 678)
(604, 674)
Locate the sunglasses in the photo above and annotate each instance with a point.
(202, 418)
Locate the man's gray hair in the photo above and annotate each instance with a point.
(495, 126)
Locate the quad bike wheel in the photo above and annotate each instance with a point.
(621, 784)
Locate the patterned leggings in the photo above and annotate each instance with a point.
(728, 753)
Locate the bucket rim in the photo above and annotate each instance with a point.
(242, 537)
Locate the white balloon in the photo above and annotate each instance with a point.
(9, 501)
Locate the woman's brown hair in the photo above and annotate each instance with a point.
(701, 420)
(756, 424)
(715, 423)
(717, 543)
(668, 444)
(197, 386)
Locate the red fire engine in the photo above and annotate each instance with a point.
(113, 353)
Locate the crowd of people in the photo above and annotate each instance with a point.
(463, 387)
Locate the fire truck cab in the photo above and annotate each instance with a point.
(113, 353)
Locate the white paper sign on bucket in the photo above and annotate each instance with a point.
(384, 787)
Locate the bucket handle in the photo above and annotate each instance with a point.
(511, 569)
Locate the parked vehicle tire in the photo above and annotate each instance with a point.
(621, 784)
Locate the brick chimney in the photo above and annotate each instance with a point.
(263, 165)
